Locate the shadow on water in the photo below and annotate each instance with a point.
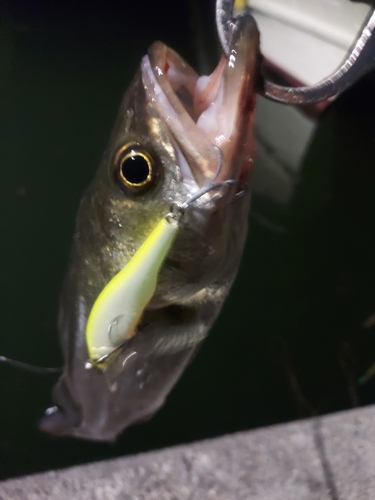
(290, 341)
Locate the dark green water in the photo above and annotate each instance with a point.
(289, 342)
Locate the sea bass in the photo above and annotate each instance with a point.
(175, 135)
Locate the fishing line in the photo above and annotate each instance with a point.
(182, 207)
(28, 367)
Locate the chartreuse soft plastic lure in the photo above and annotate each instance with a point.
(119, 307)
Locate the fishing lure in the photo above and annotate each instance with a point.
(128, 293)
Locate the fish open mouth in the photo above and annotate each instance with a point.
(210, 117)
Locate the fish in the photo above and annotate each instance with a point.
(177, 136)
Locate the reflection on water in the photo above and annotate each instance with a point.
(290, 342)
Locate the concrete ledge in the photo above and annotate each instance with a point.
(331, 457)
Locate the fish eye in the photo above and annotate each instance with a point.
(134, 168)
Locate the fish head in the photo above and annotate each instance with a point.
(176, 134)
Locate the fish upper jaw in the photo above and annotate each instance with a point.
(210, 118)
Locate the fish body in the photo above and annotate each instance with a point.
(188, 131)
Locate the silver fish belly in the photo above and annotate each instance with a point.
(175, 133)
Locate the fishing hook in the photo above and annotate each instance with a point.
(357, 59)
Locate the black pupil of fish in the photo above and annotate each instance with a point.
(135, 169)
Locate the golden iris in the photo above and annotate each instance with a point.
(134, 168)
